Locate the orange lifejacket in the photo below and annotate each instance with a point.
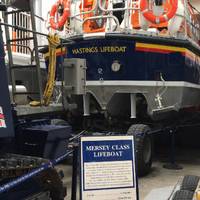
(90, 26)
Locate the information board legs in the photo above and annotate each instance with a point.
(74, 173)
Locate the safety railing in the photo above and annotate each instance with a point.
(23, 20)
(104, 17)
(129, 6)
(104, 10)
(192, 23)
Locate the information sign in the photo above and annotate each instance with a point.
(108, 168)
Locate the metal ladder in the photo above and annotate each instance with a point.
(29, 8)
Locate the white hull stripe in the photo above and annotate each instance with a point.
(88, 35)
(144, 83)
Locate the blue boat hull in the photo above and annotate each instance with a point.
(135, 64)
(165, 73)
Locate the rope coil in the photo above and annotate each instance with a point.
(54, 42)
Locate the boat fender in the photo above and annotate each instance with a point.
(65, 15)
(149, 15)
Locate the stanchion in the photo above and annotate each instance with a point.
(172, 162)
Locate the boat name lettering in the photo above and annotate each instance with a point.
(103, 49)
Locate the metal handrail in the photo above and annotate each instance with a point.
(20, 45)
(98, 5)
(195, 27)
(108, 14)
(23, 29)
(87, 12)
(115, 9)
(27, 47)
(103, 17)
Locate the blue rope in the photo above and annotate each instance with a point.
(33, 173)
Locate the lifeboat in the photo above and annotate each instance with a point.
(132, 61)
(144, 48)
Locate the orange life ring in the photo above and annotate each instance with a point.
(158, 19)
(66, 13)
(136, 23)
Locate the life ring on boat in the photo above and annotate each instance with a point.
(148, 14)
(65, 15)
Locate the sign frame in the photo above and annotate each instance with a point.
(84, 162)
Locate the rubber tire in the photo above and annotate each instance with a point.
(190, 183)
(139, 131)
(183, 195)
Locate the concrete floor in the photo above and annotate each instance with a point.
(159, 177)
